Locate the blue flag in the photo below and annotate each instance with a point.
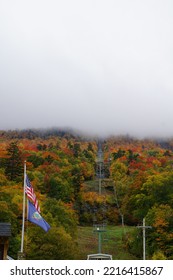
(35, 218)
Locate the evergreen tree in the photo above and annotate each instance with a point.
(14, 162)
(76, 149)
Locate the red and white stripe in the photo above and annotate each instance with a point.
(30, 193)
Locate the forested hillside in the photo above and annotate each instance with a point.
(57, 167)
(142, 171)
(136, 182)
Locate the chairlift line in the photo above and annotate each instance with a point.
(100, 228)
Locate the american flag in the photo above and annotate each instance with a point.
(30, 194)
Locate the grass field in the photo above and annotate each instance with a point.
(112, 239)
(112, 242)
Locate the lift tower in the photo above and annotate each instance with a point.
(99, 229)
(100, 167)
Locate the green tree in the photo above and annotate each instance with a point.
(120, 153)
(90, 147)
(36, 160)
(59, 243)
(158, 189)
(77, 179)
(160, 237)
(5, 213)
(60, 189)
(76, 149)
(134, 243)
(159, 255)
(132, 156)
(56, 244)
(14, 162)
(9, 213)
(60, 214)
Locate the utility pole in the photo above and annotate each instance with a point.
(99, 229)
(144, 227)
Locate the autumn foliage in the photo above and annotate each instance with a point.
(137, 183)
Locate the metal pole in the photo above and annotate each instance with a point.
(144, 227)
(100, 178)
(144, 249)
(23, 217)
(99, 229)
(100, 242)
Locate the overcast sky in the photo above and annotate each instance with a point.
(102, 66)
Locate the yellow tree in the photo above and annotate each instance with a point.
(121, 181)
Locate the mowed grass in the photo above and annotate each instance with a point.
(113, 242)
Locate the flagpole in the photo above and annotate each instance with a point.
(23, 217)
